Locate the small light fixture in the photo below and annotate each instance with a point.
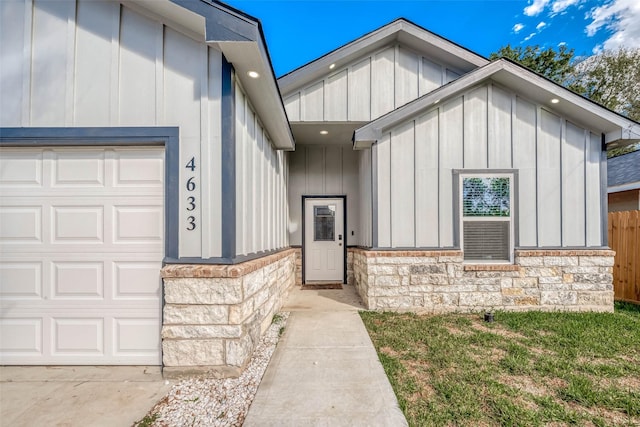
(324, 132)
(555, 100)
(332, 66)
(253, 74)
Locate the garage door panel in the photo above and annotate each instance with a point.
(136, 336)
(21, 224)
(133, 168)
(72, 168)
(81, 224)
(20, 169)
(78, 280)
(137, 280)
(20, 280)
(142, 224)
(76, 336)
(21, 336)
(81, 248)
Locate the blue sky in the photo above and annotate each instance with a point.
(299, 31)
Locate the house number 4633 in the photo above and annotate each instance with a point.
(191, 200)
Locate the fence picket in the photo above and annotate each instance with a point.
(624, 238)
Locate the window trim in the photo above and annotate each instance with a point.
(511, 175)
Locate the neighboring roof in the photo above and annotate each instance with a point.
(617, 129)
(241, 40)
(623, 172)
(401, 30)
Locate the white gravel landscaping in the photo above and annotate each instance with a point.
(217, 402)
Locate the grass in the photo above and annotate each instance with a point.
(525, 369)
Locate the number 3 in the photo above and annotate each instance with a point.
(192, 223)
(192, 203)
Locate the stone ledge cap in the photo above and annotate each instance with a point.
(207, 271)
(565, 252)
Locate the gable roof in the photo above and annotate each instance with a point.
(401, 31)
(616, 128)
(623, 172)
(240, 38)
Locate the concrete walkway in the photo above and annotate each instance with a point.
(325, 371)
(78, 395)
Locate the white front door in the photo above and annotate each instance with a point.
(324, 240)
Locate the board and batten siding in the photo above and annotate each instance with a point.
(324, 170)
(261, 184)
(104, 64)
(368, 88)
(557, 164)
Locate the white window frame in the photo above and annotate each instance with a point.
(510, 218)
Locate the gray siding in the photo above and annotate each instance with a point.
(261, 185)
(369, 87)
(325, 170)
(557, 162)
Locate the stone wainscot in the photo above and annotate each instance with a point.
(439, 281)
(214, 315)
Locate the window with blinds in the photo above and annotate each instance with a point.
(486, 217)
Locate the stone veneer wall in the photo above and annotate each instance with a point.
(439, 281)
(214, 315)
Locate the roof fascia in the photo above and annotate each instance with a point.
(624, 187)
(241, 40)
(622, 130)
(398, 30)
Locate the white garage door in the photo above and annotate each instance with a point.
(81, 247)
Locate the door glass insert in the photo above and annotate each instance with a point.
(324, 223)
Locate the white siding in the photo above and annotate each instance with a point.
(451, 155)
(524, 160)
(549, 188)
(324, 170)
(261, 180)
(557, 165)
(573, 194)
(368, 87)
(402, 186)
(104, 64)
(592, 189)
(363, 223)
(475, 129)
(427, 180)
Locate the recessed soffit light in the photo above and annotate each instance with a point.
(324, 132)
(332, 66)
(555, 100)
(253, 74)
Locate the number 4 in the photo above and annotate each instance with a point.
(192, 164)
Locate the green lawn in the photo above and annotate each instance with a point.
(529, 369)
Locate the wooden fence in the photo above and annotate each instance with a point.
(624, 238)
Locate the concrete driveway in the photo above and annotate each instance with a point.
(78, 395)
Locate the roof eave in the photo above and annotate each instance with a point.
(617, 129)
(241, 40)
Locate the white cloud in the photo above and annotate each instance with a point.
(541, 25)
(560, 5)
(517, 28)
(621, 17)
(536, 7)
(562, 44)
(529, 37)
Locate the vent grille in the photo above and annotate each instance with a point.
(486, 240)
